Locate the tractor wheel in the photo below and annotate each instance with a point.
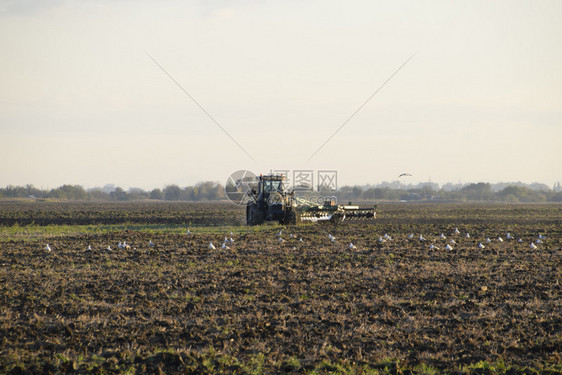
(248, 215)
(290, 218)
(258, 216)
(253, 215)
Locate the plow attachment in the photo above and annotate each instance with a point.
(356, 213)
(307, 212)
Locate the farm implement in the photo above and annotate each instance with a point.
(268, 200)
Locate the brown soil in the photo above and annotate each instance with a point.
(294, 306)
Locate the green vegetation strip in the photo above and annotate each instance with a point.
(213, 362)
(41, 232)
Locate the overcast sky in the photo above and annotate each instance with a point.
(81, 102)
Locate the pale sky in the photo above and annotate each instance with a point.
(82, 103)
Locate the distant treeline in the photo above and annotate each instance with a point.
(212, 191)
(204, 191)
(503, 192)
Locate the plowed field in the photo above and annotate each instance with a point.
(293, 301)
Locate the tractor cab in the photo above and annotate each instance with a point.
(270, 200)
(271, 185)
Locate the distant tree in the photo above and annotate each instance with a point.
(511, 198)
(478, 192)
(345, 193)
(208, 191)
(156, 194)
(136, 194)
(387, 193)
(75, 192)
(14, 191)
(523, 194)
(555, 197)
(536, 186)
(172, 193)
(369, 194)
(187, 193)
(118, 194)
(98, 194)
(427, 186)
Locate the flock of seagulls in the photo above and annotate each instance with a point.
(449, 245)
(281, 240)
(452, 242)
(124, 245)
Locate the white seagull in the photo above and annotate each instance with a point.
(533, 246)
(481, 245)
(467, 235)
(332, 238)
(421, 238)
(448, 247)
(352, 246)
(224, 247)
(48, 248)
(89, 247)
(500, 239)
(488, 239)
(150, 243)
(509, 236)
(442, 236)
(211, 246)
(456, 231)
(411, 235)
(433, 247)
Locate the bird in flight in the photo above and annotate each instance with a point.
(404, 174)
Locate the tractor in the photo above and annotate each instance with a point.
(268, 200)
